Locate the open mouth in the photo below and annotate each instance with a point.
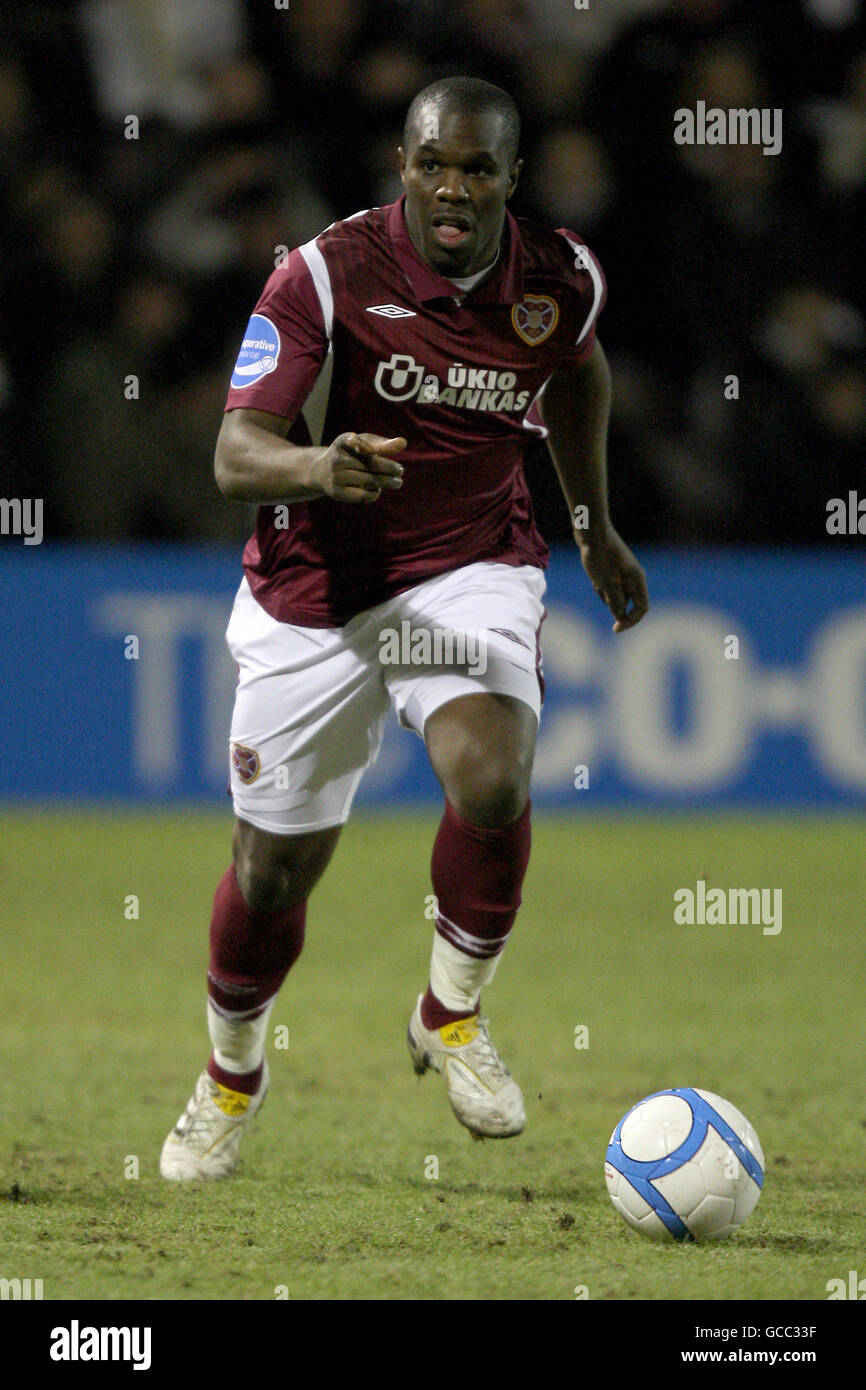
(451, 231)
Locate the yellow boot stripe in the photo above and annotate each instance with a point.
(463, 1031)
(230, 1102)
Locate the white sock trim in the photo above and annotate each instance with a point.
(238, 1043)
(456, 978)
(464, 941)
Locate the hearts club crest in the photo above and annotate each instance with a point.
(534, 318)
(246, 762)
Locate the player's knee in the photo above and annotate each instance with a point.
(263, 885)
(489, 789)
(276, 873)
(260, 871)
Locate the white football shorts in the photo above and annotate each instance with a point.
(311, 702)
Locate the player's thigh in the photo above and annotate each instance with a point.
(476, 695)
(276, 872)
(481, 747)
(308, 716)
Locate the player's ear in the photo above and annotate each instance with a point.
(402, 155)
(513, 176)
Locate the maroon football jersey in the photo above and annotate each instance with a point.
(357, 332)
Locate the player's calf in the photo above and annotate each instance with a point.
(477, 873)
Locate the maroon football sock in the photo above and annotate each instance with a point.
(435, 1015)
(251, 953)
(477, 874)
(247, 1082)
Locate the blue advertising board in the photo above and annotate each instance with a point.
(745, 685)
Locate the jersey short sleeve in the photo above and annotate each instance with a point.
(588, 278)
(284, 346)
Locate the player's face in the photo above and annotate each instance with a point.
(457, 176)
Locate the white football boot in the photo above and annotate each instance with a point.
(484, 1096)
(206, 1140)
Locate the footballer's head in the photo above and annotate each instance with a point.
(459, 166)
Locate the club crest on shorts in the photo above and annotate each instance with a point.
(246, 763)
(535, 317)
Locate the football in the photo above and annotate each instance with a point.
(684, 1165)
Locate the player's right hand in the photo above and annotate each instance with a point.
(356, 467)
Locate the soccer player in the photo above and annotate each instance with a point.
(421, 342)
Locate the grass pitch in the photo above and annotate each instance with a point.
(104, 1036)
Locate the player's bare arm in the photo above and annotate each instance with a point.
(254, 462)
(575, 408)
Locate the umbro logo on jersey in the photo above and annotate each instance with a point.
(391, 311)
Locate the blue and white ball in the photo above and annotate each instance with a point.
(684, 1165)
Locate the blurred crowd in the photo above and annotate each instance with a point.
(155, 152)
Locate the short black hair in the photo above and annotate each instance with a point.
(472, 95)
